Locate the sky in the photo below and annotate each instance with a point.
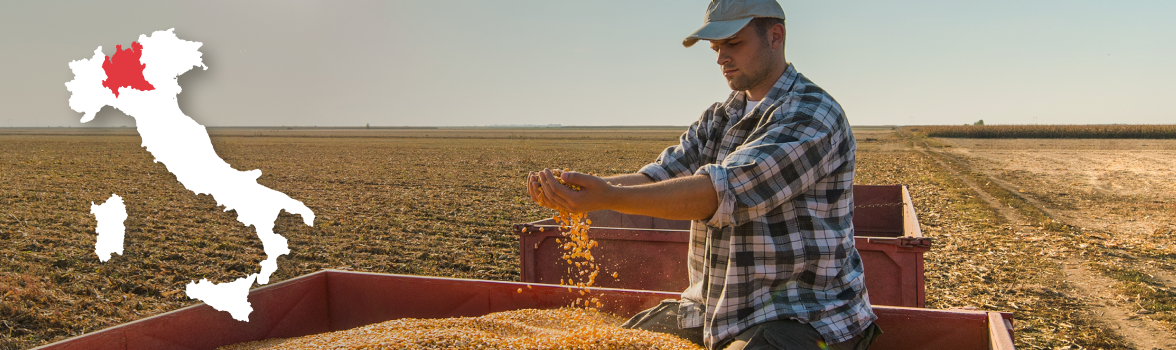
(602, 62)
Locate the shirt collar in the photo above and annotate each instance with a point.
(783, 85)
(738, 100)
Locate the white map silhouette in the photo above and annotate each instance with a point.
(110, 216)
(183, 146)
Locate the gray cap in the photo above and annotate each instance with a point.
(724, 18)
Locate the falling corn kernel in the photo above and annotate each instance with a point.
(614, 275)
(520, 290)
(576, 244)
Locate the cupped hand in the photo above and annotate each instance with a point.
(534, 191)
(594, 194)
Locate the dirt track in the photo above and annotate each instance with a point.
(1127, 187)
(1116, 195)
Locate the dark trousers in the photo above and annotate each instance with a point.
(778, 334)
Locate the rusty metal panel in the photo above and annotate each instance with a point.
(878, 211)
(894, 272)
(643, 259)
(650, 254)
(291, 308)
(360, 298)
(305, 305)
(917, 328)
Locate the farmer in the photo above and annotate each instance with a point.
(767, 178)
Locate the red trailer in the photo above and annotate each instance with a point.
(650, 253)
(332, 300)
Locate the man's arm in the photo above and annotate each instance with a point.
(672, 193)
(536, 193)
(785, 160)
(685, 198)
(629, 179)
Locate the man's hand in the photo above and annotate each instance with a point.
(544, 188)
(533, 190)
(686, 198)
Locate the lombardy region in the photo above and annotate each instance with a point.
(124, 69)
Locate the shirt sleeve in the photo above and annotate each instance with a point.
(783, 158)
(685, 157)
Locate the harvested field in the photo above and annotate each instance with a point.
(399, 201)
(438, 206)
(980, 259)
(1125, 186)
(1112, 131)
(1114, 200)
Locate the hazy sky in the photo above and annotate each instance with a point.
(454, 63)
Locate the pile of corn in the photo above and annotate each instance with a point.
(567, 328)
(581, 326)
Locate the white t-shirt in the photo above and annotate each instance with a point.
(750, 106)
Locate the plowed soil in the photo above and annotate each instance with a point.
(440, 202)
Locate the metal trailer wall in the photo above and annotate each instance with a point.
(650, 254)
(332, 300)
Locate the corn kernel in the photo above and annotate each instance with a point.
(566, 328)
(576, 244)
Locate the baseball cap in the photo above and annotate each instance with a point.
(724, 18)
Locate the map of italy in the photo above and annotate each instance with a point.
(141, 81)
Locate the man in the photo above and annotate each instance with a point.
(767, 179)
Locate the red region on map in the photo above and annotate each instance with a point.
(123, 69)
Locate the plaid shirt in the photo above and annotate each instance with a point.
(780, 245)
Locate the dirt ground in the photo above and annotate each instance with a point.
(417, 201)
(1117, 198)
(1125, 187)
(440, 202)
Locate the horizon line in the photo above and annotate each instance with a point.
(510, 126)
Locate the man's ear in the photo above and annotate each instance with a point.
(779, 33)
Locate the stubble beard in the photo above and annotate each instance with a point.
(744, 82)
(756, 75)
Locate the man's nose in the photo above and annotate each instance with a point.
(722, 58)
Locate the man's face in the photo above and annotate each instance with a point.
(745, 59)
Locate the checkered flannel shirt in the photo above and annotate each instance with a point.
(780, 246)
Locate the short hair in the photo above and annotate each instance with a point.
(763, 24)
